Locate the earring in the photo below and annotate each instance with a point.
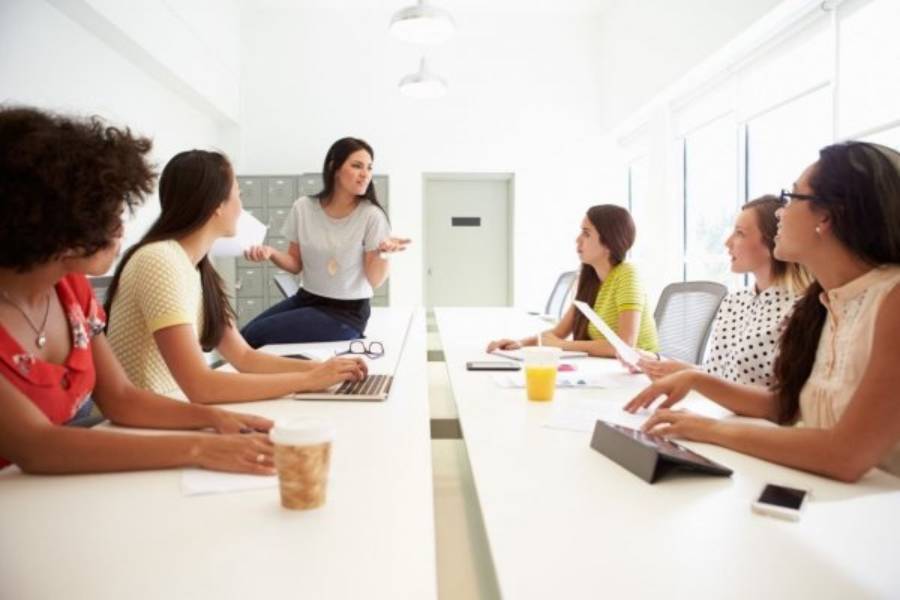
(818, 230)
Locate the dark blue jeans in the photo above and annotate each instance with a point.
(289, 323)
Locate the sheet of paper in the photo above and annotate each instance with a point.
(571, 380)
(195, 482)
(519, 356)
(250, 232)
(628, 354)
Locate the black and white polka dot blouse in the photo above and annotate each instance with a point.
(745, 334)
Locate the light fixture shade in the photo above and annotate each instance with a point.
(422, 23)
(423, 83)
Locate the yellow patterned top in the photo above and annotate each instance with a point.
(160, 287)
(620, 292)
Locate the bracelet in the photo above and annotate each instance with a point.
(658, 356)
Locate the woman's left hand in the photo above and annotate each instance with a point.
(394, 244)
(225, 421)
(680, 424)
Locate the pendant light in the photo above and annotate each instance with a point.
(422, 23)
(423, 83)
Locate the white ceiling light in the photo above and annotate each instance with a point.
(423, 83)
(423, 23)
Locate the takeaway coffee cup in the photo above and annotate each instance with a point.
(302, 457)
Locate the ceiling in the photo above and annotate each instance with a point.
(455, 7)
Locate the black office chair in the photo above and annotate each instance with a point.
(556, 303)
(286, 284)
(684, 316)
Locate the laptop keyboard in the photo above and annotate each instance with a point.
(372, 385)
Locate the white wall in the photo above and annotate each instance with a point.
(69, 57)
(648, 44)
(523, 99)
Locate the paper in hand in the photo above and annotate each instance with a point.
(250, 232)
(625, 352)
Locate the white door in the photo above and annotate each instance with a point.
(467, 241)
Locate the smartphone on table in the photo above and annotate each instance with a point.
(781, 502)
(492, 365)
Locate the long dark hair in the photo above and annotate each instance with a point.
(858, 185)
(192, 186)
(616, 229)
(337, 155)
(789, 274)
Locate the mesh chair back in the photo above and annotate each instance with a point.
(684, 318)
(100, 286)
(287, 285)
(557, 300)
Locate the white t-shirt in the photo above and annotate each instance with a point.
(322, 238)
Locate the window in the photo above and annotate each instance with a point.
(710, 199)
(784, 141)
(638, 204)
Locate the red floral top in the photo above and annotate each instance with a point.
(58, 390)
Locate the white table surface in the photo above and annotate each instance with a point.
(135, 535)
(563, 521)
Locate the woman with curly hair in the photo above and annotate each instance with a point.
(836, 373)
(64, 184)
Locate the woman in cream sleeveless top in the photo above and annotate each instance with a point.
(836, 375)
(845, 349)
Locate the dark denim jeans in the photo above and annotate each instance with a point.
(289, 323)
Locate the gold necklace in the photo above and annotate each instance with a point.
(41, 333)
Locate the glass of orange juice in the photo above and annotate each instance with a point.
(540, 372)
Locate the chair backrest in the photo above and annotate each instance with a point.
(287, 285)
(100, 285)
(557, 300)
(684, 316)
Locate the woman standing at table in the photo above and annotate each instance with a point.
(606, 282)
(749, 322)
(167, 304)
(339, 239)
(836, 373)
(63, 186)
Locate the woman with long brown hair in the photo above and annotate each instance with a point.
(167, 304)
(748, 323)
(836, 373)
(607, 283)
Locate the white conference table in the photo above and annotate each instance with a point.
(563, 521)
(136, 535)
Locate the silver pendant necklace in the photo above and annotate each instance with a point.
(40, 332)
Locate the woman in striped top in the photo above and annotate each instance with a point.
(607, 282)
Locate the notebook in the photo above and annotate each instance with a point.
(517, 354)
(374, 388)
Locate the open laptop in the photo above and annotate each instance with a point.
(374, 388)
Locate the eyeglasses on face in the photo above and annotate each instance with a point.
(786, 197)
(371, 350)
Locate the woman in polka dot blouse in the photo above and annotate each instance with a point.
(748, 322)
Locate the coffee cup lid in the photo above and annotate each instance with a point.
(304, 431)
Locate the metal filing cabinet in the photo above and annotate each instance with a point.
(269, 199)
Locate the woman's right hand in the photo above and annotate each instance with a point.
(335, 370)
(657, 369)
(674, 387)
(504, 344)
(237, 453)
(258, 253)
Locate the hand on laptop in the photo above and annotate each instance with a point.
(337, 370)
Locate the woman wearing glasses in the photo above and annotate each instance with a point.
(836, 373)
(339, 239)
(607, 283)
(749, 322)
(166, 303)
(63, 186)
